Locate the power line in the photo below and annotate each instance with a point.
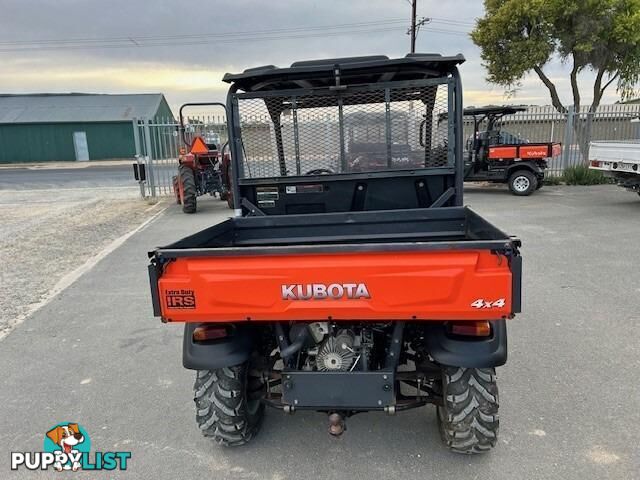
(194, 42)
(130, 41)
(453, 22)
(445, 31)
(139, 38)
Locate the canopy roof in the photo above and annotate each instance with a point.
(344, 71)
(493, 110)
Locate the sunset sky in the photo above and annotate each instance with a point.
(182, 49)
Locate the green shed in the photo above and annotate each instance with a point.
(74, 126)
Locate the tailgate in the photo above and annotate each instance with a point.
(406, 285)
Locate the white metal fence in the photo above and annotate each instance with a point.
(158, 141)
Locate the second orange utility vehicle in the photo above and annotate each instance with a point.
(495, 155)
(352, 278)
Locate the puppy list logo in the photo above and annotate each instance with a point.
(67, 447)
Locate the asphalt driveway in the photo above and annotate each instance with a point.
(118, 176)
(570, 400)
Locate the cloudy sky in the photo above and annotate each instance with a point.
(182, 49)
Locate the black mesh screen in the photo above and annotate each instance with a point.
(346, 132)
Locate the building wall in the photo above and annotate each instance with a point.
(164, 113)
(41, 142)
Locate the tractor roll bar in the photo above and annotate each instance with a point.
(197, 104)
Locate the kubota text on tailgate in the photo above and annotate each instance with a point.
(320, 291)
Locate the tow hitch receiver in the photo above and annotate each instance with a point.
(337, 424)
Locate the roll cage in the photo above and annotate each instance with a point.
(346, 134)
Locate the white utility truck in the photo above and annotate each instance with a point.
(619, 160)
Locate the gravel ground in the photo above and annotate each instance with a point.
(48, 233)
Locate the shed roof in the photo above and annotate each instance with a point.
(77, 107)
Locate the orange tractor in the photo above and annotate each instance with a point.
(203, 165)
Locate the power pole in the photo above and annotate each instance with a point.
(413, 25)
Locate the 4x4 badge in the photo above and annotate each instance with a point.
(482, 303)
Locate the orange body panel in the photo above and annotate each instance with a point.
(496, 153)
(421, 285)
(188, 159)
(528, 151)
(534, 151)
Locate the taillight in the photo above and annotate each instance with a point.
(470, 329)
(595, 163)
(209, 332)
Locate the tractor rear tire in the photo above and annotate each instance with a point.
(522, 183)
(189, 197)
(468, 418)
(228, 404)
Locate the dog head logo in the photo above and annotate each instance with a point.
(66, 436)
(69, 439)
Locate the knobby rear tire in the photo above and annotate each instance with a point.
(468, 419)
(187, 177)
(228, 406)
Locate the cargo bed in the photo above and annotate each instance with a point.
(427, 264)
(451, 227)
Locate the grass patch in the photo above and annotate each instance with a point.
(552, 179)
(582, 175)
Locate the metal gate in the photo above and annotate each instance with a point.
(158, 142)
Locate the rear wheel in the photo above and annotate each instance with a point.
(228, 404)
(468, 418)
(523, 183)
(189, 193)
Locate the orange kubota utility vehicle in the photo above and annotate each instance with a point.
(494, 155)
(344, 283)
